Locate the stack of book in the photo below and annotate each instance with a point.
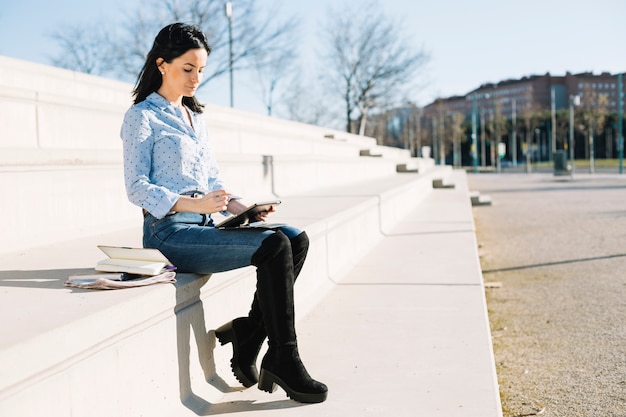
(126, 267)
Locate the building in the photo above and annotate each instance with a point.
(533, 93)
(493, 105)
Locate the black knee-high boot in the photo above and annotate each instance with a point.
(247, 334)
(281, 364)
(247, 337)
(299, 250)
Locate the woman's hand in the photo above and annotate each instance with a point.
(237, 206)
(261, 216)
(213, 202)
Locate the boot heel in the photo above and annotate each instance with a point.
(225, 334)
(267, 381)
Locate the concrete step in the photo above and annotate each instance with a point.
(414, 165)
(70, 352)
(403, 333)
(410, 333)
(371, 152)
(441, 183)
(77, 184)
(479, 199)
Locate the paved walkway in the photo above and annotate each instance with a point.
(556, 246)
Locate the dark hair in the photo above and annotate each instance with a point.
(171, 42)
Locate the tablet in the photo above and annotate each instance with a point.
(247, 216)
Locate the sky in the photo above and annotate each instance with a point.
(470, 42)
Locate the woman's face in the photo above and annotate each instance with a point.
(183, 75)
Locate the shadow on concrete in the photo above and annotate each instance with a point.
(190, 316)
(52, 279)
(435, 232)
(570, 261)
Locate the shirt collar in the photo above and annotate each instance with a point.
(158, 100)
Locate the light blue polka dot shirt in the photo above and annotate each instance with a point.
(164, 156)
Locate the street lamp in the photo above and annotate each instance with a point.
(620, 122)
(483, 139)
(228, 8)
(573, 101)
(552, 122)
(529, 156)
(514, 133)
(539, 148)
(474, 133)
(474, 151)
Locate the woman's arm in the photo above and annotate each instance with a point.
(212, 202)
(138, 140)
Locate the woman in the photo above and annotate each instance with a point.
(170, 172)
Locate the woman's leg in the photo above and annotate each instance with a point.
(281, 364)
(193, 247)
(247, 334)
(200, 249)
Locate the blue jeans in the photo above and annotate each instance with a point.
(192, 244)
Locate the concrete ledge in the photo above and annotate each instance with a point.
(440, 183)
(410, 334)
(151, 351)
(415, 165)
(371, 152)
(70, 344)
(404, 332)
(66, 178)
(479, 199)
(409, 168)
(83, 191)
(38, 103)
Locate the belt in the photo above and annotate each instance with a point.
(192, 194)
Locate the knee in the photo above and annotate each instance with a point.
(273, 246)
(300, 243)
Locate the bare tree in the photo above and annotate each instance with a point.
(562, 128)
(303, 104)
(529, 117)
(594, 115)
(84, 48)
(276, 67)
(254, 33)
(456, 136)
(369, 62)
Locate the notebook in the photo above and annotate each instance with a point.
(142, 261)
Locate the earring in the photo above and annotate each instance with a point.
(162, 72)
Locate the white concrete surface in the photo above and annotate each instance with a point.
(66, 335)
(405, 332)
(397, 326)
(61, 162)
(390, 303)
